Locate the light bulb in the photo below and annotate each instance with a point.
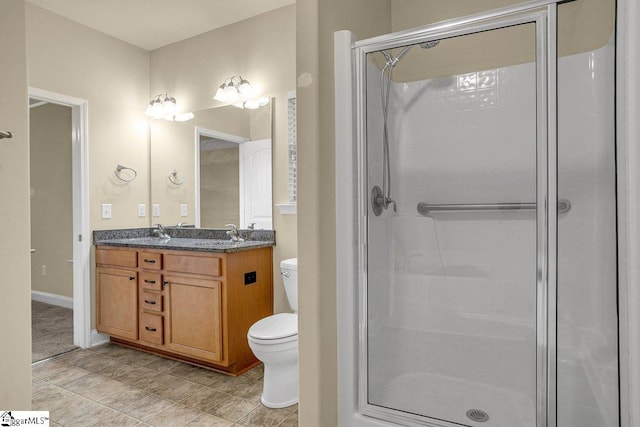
(149, 110)
(156, 109)
(231, 94)
(169, 107)
(219, 96)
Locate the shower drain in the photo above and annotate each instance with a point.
(477, 415)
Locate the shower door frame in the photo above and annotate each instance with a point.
(543, 14)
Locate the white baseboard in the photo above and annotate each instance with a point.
(53, 299)
(98, 339)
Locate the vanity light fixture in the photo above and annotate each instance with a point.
(163, 106)
(235, 89)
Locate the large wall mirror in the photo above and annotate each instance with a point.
(213, 170)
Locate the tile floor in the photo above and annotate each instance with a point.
(117, 386)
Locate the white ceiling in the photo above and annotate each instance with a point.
(151, 24)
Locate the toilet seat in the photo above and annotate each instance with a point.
(277, 329)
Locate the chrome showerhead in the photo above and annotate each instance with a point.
(429, 44)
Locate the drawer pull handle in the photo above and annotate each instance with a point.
(165, 283)
(150, 329)
(150, 302)
(150, 261)
(153, 282)
(132, 277)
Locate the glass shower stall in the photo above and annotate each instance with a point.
(481, 282)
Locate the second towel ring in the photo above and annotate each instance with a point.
(120, 168)
(173, 177)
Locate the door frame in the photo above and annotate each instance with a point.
(628, 179)
(81, 231)
(201, 131)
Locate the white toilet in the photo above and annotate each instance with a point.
(274, 341)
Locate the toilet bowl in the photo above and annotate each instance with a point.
(274, 341)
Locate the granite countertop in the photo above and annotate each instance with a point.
(186, 239)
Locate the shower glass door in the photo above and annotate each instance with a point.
(454, 299)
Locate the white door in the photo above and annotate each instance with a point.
(255, 184)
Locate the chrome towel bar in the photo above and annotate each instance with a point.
(6, 134)
(425, 209)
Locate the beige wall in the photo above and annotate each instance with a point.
(262, 50)
(316, 22)
(583, 25)
(51, 199)
(219, 187)
(15, 315)
(71, 59)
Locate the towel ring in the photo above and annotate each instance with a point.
(120, 168)
(173, 177)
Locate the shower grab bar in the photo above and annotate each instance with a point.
(425, 209)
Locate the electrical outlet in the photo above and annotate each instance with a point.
(250, 277)
(142, 210)
(155, 210)
(106, 210)
(44, 270)
(184, 210)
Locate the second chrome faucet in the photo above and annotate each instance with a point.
(233, 233)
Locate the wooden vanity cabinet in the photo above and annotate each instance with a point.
(117, 293)
(194, 324)
(192, 306)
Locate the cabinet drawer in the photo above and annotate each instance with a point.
(151, 328)
(150, 281)
(116, 257)
(150, 301)
(150, 260)
(193, 264)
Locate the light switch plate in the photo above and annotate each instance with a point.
(106, 210)
(142, 210)
(184, 210)
(155, 210)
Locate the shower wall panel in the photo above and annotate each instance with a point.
(453, 283)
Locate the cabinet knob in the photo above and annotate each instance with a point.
(165, 283)
(132, 277)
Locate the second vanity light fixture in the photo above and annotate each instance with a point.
(163, 106)
(240, 93)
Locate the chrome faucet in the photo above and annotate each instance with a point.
(161, 232)
(233, 233)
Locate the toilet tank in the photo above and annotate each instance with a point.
(289, 271)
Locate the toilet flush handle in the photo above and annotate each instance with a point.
(285, 273)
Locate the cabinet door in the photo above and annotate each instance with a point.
(117, 302)
(194, 314)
